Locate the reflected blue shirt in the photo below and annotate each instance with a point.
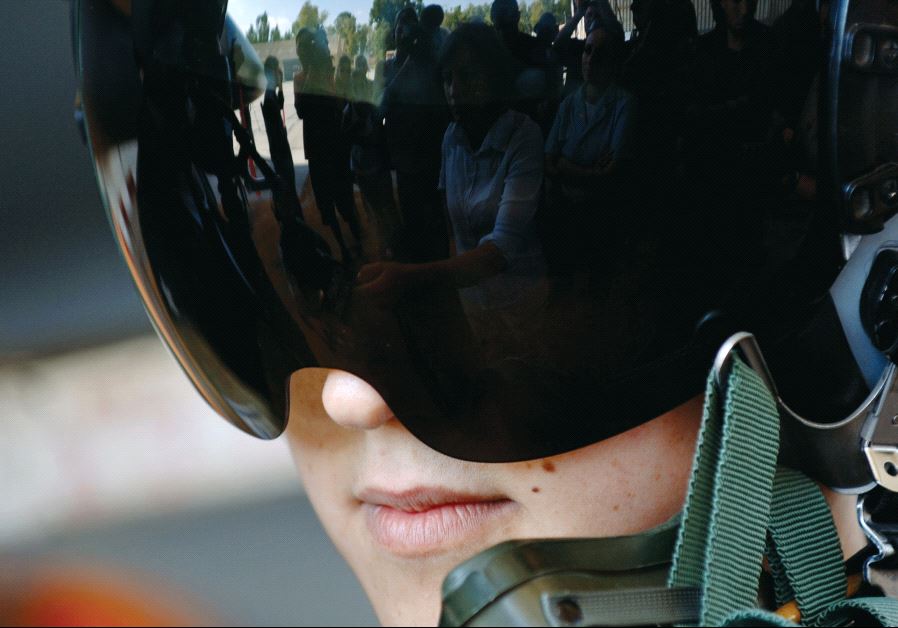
(584, 133)
(492, 195)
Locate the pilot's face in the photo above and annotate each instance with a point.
(404, 515)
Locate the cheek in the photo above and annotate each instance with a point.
(591, 492)
(326, 475)
(624, 485)
(310, 425)
(321, 449)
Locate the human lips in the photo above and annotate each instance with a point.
(427, 520)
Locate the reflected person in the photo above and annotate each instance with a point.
(587, 151)
(528, 56)
(286, 196)
(730, 126)
(415, 118)
(491, 177)
(432, 25)
(370, 161)
(593, 13)
(325, 146)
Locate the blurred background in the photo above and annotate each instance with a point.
(122, 496)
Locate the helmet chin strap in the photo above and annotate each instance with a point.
(727, 509)
(741, 510)
(570, 581)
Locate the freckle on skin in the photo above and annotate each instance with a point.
(616, 507)
(535, 489)
(548, 466)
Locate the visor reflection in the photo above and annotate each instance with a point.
(498, 230)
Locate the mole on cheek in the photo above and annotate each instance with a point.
(535, 489)
(548, 467)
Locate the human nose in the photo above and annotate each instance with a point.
(353, 403)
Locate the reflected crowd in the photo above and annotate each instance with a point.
(529, 183)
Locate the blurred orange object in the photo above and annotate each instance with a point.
(70, 594)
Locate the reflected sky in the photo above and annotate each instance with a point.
(283, 12)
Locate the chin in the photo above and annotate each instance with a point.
(408, 593)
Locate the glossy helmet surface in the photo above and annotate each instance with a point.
(618, 260)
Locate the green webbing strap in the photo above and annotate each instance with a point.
(862, 611)
(803, 548)
(734, 499)
(721, 539)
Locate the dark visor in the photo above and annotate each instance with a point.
(526, 239)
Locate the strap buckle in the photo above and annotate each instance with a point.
(880, 446)
(880, 436)
(851, 455)
(883, 537)
(745, 345)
